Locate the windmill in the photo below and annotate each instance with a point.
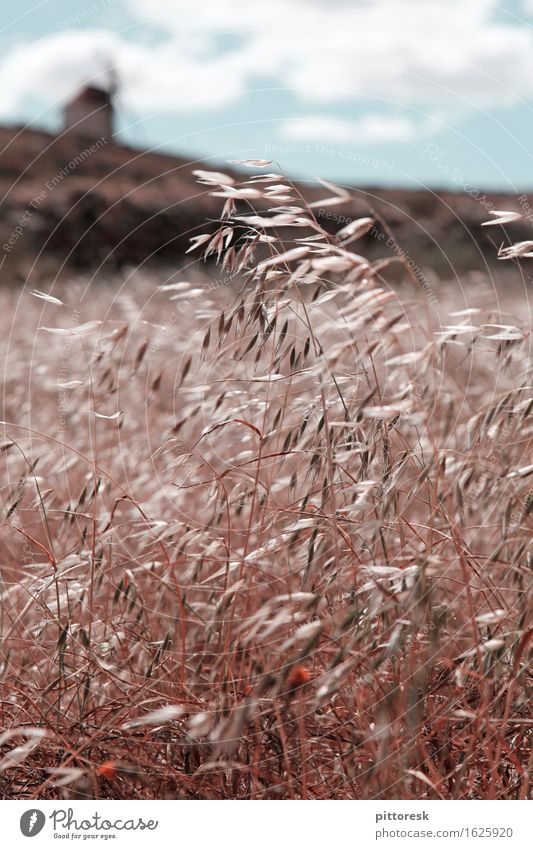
(89, 114)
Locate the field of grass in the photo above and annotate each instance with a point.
(266, 528)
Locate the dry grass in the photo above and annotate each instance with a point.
(270, 540)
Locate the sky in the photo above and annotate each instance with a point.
(408, 93)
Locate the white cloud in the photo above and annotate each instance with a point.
(369, 129)
(432, 55)
(151, 79)
(333, 50)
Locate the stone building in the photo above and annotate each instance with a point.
(89, 114)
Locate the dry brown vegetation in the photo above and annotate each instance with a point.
(266, 535)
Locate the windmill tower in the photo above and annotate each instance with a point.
(89, 114)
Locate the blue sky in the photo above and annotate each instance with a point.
(374, 92)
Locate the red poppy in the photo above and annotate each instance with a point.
(107, 769)
(298, 676)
